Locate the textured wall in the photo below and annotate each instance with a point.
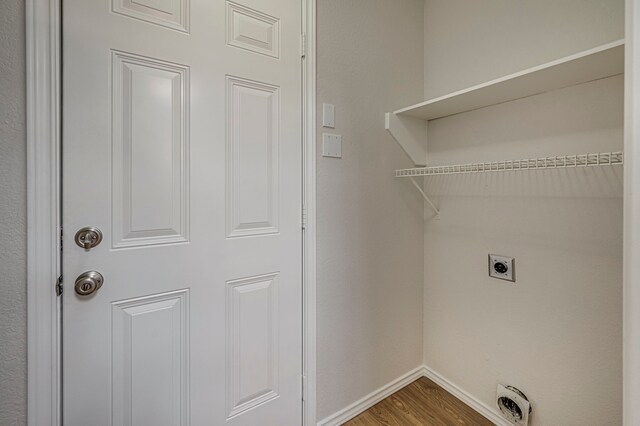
(370, 249)
(13, 330)
(470, 42)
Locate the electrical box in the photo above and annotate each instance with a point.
(502, 267)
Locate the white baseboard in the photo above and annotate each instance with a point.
(492, 414)
(378, 395)
(373, 398)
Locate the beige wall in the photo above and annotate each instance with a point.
(470, 42)
(369, 224)
(556, 334)
(13, 292)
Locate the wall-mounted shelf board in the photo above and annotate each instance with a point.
(600, 62)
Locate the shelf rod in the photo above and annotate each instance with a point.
(557, 162)
(433, 206)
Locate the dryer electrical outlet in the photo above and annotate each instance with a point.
(502, 267)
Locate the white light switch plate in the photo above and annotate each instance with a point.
(331, 145)
(502, 267)
(328, 116)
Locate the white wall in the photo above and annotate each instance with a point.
(470, 42)
(13, 293)
(370, 248)
(557, 333)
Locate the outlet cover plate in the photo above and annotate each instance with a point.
(331, 145)
(328, 116)
(502, 267)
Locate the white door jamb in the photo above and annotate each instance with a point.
(631, 251)
(43, 212)
(309, 213)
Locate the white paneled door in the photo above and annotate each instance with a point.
(182, 145)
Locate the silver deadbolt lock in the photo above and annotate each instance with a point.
(88, 283)
(88, 237)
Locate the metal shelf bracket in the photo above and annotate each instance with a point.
(426, 197)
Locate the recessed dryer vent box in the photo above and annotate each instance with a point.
(514, 405)
(502, 267)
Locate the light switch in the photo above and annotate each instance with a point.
(328, 116)
(331, 145)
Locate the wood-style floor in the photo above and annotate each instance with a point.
(420, 403)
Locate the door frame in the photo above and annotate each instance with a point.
(631, 229)
(43, 115)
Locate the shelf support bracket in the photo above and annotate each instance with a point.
(426, 197)
(411, 134)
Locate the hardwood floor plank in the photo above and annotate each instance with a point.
(421, 403)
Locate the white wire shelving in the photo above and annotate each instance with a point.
(543, 163)
(557, 162)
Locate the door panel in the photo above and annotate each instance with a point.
(182, 143)
(249, 29)
(253, 157)
(150, 338)
(150, 152)
(167, 13)
(252, 342)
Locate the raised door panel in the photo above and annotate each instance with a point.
(150, 199)
(172, 14)
(253, 131)
(150, 337)
(252, 342)
(253, 30)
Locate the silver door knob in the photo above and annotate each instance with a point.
(88, 283)
(88, 237)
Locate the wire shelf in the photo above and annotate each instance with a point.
(558, 162)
